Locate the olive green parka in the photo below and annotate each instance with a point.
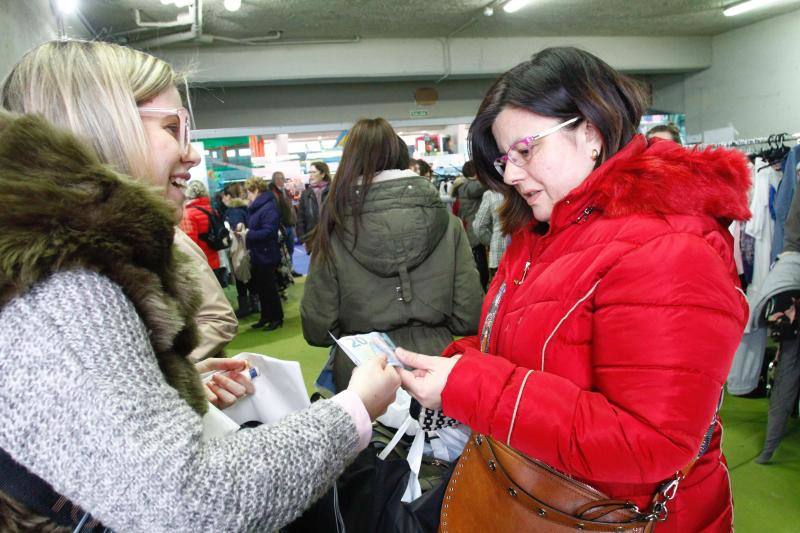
(410, 273)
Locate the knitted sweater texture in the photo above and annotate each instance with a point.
(88, 409)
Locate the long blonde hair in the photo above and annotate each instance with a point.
(91, 89)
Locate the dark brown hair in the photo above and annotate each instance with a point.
(562, 83)
(468, 169)
(322, 166)
(670, 128)
(372, 146)
(235, 190)
(424, 168)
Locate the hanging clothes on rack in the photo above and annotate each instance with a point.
(760, 226)
(783, 199)
(747, 362)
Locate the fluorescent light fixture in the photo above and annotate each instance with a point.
(749, 5)
(513, 6)
(67, 6)
(167, 2)
(182, 3)
(232, 5)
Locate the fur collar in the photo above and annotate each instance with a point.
(63, 210)
(663, 178)
(237, 202)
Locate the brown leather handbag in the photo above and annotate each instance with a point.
(495, 488)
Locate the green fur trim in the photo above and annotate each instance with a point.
(62, 209)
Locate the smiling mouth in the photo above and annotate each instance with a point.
(178, 182)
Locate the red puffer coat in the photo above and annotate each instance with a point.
(195, 223)
(616, 331)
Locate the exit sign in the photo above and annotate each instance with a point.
(419, 113)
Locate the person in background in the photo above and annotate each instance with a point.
(397, 262)
(288, 215)
(235, 200)
(469, 192)
(670, 132)
(424, 169)
(489, 228)
(263, 219)
(615, 313)
(312, 199)
(98, 312)
(216, 320)
(195, 223)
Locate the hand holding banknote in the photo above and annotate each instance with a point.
(376, 383)
(426, 381)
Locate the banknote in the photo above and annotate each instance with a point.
(359, 348)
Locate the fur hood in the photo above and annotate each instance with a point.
(64, 210)
(237, 202)
(662, 178)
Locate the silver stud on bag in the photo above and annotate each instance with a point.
(512, 492)
(492, 465)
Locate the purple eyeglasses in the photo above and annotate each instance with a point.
(520, 151)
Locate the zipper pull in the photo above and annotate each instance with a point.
(524, 273)
(585, 214)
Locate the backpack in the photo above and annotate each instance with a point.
(218, 237)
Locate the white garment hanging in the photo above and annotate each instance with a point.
(760, 226)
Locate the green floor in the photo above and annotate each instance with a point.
(766, 498)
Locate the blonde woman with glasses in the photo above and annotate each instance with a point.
(101, 406)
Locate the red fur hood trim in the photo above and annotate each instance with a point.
(661, 177)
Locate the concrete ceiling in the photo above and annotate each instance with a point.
(408, 19)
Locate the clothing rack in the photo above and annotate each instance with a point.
(753, 141)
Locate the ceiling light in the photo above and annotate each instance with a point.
(232, 5)
(67, 6)
(488, 11)
(182, 3)
(167, 2)
(515, 5)
(749, 5)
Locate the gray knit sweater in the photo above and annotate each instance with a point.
(84, 405)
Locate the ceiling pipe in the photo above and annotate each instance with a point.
(195, 34)
(137, 15)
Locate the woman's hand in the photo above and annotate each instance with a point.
(376, 384)
(426, 382)
(225, 388)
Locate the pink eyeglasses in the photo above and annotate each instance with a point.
(520, 152)
(182, 135)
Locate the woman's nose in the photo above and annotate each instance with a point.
(513, 174)
(191, 156)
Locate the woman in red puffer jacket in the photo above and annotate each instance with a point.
(608, 332)
(195, 220)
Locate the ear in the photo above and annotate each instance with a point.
(593, 138)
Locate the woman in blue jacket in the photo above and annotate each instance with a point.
(263, 219)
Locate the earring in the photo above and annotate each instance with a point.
(595, 154)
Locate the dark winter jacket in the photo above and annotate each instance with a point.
(236, 213)
(263, 220)
(615, 329)
(308, 212)
(410, 274)
(469, 194)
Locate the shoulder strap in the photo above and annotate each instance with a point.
(206, 211)
(28, 489)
